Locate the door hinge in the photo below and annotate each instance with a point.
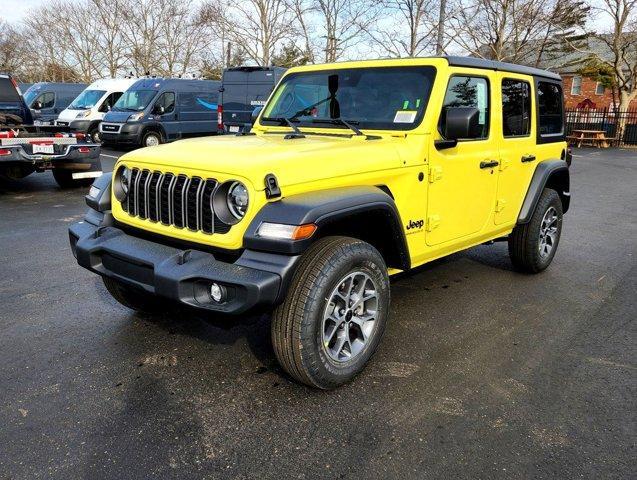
(500, 205)
(435, 173)
(432, 222)
(504, 163)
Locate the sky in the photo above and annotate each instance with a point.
(14, 10)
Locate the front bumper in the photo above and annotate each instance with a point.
(254, 280)
(128, 134)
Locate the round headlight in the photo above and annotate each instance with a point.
(230, 202)
(237, 199)
(121, 183)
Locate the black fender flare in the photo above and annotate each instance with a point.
(326, 207)
(552, 173)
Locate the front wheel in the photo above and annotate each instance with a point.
(532, 245)
(335, 312)
(151, 139)
(64, 179)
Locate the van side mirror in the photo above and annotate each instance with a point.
(37, 105)
(459, 123)
(255, 114)
(159, 110)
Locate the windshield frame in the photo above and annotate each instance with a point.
(429, 72)
(130, 91)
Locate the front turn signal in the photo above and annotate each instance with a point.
(282, 231)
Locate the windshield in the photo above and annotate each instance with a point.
(383, 98)
(134, 100)
(30, 95)
(87, 99)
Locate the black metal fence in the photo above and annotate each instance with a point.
(608, 120)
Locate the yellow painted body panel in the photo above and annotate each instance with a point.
(456, 200)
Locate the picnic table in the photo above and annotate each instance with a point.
(594, 138)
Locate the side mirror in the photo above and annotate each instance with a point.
(159, 110)
(255, 114)
(37, 105)
(459, 123)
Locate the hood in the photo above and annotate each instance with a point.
(117, 117)
(293, 161)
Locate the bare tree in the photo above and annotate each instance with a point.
(409, 30)
(141, 28)
(12, 51)
(343, 24)
(256, 27)
(513, 30)
(621, 42)
(112, 44)
(303, 10)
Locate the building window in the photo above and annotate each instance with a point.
(599, 89)
(576, 86)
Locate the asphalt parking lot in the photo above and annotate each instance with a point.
(483, 372)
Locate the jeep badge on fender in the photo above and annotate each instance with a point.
(351, 170)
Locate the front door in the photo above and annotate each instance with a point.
(517, 146)
(463, 179)
(168, 119)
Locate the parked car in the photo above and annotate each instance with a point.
(353, 171)
(159, 110)
(47, 99)
(26, 148)
(243, 89)
(86, 111)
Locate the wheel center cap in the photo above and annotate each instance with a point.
(348, 315)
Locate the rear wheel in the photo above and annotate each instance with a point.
(335, 312)
(532, 245)
(151, 139)
(64, 179)
(135, 299)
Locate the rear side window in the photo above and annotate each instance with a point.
(468, 92)
(550, 118)
(516, 108)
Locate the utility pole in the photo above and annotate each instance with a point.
(441, 27)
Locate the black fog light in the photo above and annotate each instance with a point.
(217, 292)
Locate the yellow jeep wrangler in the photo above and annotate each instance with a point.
(351, 172)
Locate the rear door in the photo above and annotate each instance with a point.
(235, 98)
(518, 155)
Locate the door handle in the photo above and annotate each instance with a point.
(528, 158)
(489, 164)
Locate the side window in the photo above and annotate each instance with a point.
(549, 100)
(107, 104)
(166, 100)
(464, 91)
(46, 99)
(516, 108)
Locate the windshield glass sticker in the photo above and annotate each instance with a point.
(405, 116)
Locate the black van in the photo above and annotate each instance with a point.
(243, 89)
(47, 99)
(158, 110)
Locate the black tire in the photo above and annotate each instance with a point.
(150, 137)
(64, 179)
(135, 299)
(298, 323)
(525, 241)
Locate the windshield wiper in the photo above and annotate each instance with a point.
(288, 121)
(340, 121)
(346, 123)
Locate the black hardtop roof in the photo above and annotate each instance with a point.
(473, 62)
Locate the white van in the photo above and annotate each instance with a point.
(85, 113)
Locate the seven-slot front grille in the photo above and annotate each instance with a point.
(178, 200)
